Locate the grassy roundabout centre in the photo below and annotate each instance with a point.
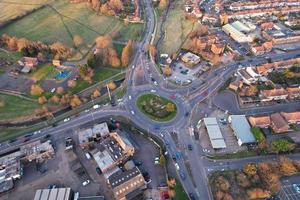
(157, 108)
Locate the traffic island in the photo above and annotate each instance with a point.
(156, 107)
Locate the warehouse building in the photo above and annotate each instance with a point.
(214, 133)
(241, 129)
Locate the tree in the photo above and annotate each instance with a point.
(126, 53)
(250, 169)
(22, 43)
(162, 160)
(242, 180)
(111, 85)
(36, 90)
(112, 58)
(59, 90)
(282, 145)
(71, 83)
(163, 4)
(103, 42)
(287, 167)
(258, 193)
(75, 101)
(93, 60)
(168, 71)
(152, 50)
(83, 70)
(96, 94)
(77, 40)
(12, 44)
(170, 107)
(54, 99)
(116, 5)
(42, 100)
(65, 99)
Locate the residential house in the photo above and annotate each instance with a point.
(260, 121)
(190, 59)
(217, 48)
(257, 50)
(264, 68)
(274, 94)
(28, 64)
(268, 46)
(278, 123)
(247, 78)
(236, 84)
(291, 117)
(294, 93)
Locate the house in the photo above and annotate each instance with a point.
(278, 123)
(190, 59)
(257, 50)
(260, 121)
(264, 69)
(274, 94)
(217, 48)
(28, 64)
(236, 84)
(291, 117)
(268, 46)
(127, 184)
(247, 78)
(293, 93)
(56, 63)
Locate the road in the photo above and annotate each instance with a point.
(144, 77)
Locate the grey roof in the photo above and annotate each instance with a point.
(214, 133)
(121, 177)
(53, 194)
(241, 129)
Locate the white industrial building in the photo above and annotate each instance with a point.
(214, 133)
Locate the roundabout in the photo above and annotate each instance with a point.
(156, 107)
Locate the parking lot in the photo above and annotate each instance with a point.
(56, 171)
(288, 191)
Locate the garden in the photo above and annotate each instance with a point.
(157, 108)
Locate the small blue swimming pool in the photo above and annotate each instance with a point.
(62, 74)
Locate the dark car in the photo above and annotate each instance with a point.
(182, 175)
(138, 163)
(12, 140)
(98, 170)
(190, 147)
(192, 197)
(187, 114)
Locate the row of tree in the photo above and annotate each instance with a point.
(109, 7)
(106, 53)
(254, 181)
(35, 48)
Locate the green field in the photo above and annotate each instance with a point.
(179, 192)
(10, 11)
(176, 28)
(155, 109)
(15, 107)
(63, 20)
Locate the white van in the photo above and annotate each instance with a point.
(88, 155)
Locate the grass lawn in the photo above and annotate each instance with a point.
(2, 71)
(11, 56)
(15, 107)
(240, 154)
(147, 98)
(42, 72)
(179, 192)
(176, 27)
(72, 19)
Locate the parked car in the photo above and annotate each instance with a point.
(85, 183)
(98, 170)
(190, 147)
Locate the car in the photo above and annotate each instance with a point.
(12, 140)
(98, 170)
(182, 175)
(174, 157)
(53, 90)
(36, 132)
(155, 83)
(133, 66)
(297, 188)
(192, 197)
(85, 183)
(177, 166)
(153, 91)
(87, 110)
(67, 119)
(156, 158)
(132, 112)
(96, 106)
(52, 186)
(156, 162)
(187, 114)
(129, 97)
(47, 136)
(138, 163)
(190, 147)
(88, 155)
(26, 139)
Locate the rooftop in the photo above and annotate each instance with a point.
(241, 129)
(214, 133)
(121, 177)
